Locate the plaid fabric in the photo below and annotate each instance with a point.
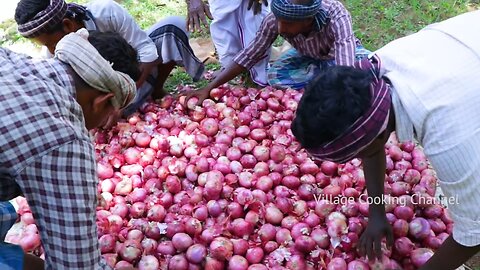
(334, 41)
(44, 20)
(284, 9)
(293, 70)
(8, 216)
(367, 127)
(75, 50)
(11, 257)
(45, 150)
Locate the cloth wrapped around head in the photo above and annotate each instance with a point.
(367, 127)
(284, 9)
(50, 17)
(44, 20)
(75, 50)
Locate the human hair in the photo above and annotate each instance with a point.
(27, 9)
(332, 102)
(115, 49)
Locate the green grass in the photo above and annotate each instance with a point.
(376, 22)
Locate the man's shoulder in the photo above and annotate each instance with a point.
(98, 7)
(334, 8)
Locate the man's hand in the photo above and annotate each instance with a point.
(370, 242)
(198, 11)
(146, 69)
(256, 5)
(201, 94)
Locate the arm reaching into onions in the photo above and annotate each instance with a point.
(294, 20)
(374, 167)
(225, 75)
(348, 112)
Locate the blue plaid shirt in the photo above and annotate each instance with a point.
(11, 256)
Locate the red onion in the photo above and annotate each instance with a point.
(123, 264)
(240, 246)
(130, 251)
(403, 212)
(173, 184)
(291, 181)
(148, 262)
(137, 210)
(419, 228)
(329, 168)
(270, 246)
(420, 256)
(182, 241)
(254, 255)
(213, 264)
(221, 248)
(358, 265)
(283, 236)
(304, 243)
(252, 217)
(324, 208)
(178, 262)
(312, 220)
(400, 228)
(267, 232)
(257, 267)
(273, 215)
(196, 253)
(337, 264)
(237, 262)
(149, 245)
(320, 237)
(437, 225)
(193, 226)
(107, 243)
(214, 208)
(277, 153)
(241, 228)
(300, 229)
(403, 246)
(433, 211)
(432, 242)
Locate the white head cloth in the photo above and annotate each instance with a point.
(75, 50)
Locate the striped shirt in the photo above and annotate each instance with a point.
(46, 154)
(335, 41)
(435, 93)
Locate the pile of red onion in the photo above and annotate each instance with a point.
(226, 186)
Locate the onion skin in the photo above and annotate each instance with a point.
(226, 185)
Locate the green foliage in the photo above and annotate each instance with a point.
(377, 22)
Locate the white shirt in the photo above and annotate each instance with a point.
(110, 16)
(435, 75)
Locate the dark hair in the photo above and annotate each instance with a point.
(27, 9)
(115, 49)
(332, 102)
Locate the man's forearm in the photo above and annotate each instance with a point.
(450, 255)
(230, 72)
(374, 168)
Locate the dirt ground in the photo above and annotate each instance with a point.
(474, 262)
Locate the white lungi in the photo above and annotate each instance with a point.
(233, 28)
(435, 75)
